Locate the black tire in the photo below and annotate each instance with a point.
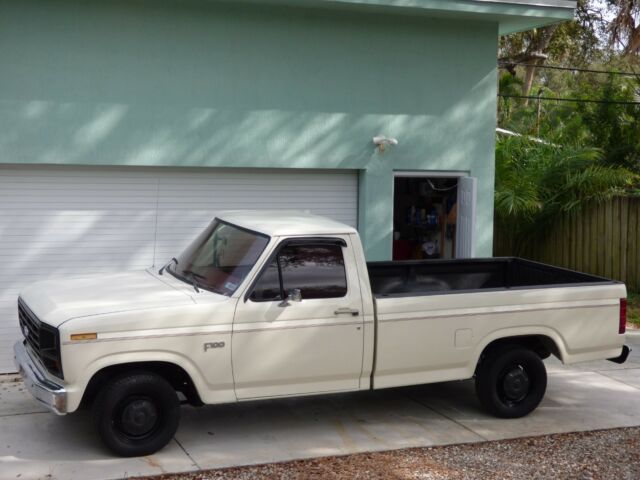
(136, 414)
(511, 382)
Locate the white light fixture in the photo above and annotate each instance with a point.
(381, 142)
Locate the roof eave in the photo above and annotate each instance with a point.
(511, 16)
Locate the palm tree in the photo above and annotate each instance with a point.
(538, 182)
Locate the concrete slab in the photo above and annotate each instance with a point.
(582, 397)
(14, 400)
(277, 430)
(44, 446)
(575, 401)
(628, 376)
(633, 337)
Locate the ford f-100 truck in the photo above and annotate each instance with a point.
(275, 304)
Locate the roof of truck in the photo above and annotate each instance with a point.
(284, 222)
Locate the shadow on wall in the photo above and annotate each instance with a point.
(195, 85)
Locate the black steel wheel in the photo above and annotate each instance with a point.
(136, 414)
(511, 381)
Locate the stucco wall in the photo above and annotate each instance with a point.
(191, 84)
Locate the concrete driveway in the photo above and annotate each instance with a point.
(36, 444)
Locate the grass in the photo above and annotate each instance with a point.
(633, 309)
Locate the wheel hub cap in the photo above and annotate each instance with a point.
(139, 417)
(515, 384)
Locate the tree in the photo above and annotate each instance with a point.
(575, 42)
(624, 29)
(613, 125)
(533, 46)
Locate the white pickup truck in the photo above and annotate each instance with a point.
(272, 304)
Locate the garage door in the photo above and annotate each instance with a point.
(61, 221)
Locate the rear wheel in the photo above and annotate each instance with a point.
(511, 382)
(136, 414)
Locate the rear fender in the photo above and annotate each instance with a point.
(506, 333)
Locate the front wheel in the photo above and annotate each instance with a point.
(136, 414)
(511, 382)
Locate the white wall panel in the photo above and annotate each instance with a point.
(61, 221)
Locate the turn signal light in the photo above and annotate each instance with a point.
(623, 316)
(84, 336)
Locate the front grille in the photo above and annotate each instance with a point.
(43, 340)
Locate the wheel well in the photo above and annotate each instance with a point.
(174, 374)
(542, 345)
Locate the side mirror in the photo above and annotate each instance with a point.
(293, 295)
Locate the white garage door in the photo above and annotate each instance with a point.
(60, 221)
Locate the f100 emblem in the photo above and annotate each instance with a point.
(208, 346)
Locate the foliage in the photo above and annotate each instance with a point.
(600, 38)
(600, 29)
(633, 309)
(536, 182)
(614, 128)
(568, 154)
(624, 30)
(577, 43)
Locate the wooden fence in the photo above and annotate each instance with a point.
(602, 239)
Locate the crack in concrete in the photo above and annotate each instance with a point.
(175, 439)
(469, 429)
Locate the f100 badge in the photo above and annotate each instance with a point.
(208, 346)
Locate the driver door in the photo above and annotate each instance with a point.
(284, 347)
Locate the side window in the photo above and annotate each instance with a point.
(317, 270)
(267, 289)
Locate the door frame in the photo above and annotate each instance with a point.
(422, 174)
(430, 173)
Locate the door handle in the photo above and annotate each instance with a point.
(347, 311)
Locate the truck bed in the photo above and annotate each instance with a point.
(425, 277)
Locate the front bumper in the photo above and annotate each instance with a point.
(48, 393)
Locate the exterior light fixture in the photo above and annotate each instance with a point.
(381, 142)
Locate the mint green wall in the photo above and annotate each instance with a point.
(190, 84)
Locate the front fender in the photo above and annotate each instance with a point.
(174, 335)
(213, 386)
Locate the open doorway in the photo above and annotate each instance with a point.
(433, 217)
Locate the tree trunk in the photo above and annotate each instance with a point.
(533, 57)
(634, 43)
(529, 75)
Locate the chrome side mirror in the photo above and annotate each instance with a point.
(293, 295)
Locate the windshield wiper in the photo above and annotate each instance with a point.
(194, 275)
(173, 260)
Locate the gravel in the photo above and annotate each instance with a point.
(604, 454)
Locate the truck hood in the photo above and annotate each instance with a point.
(56, 301)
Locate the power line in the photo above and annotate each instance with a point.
(504, 64)
(575, 100)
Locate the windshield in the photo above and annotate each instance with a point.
(220, 258)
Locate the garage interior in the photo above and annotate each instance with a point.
(424, 218)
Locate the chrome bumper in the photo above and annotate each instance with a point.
(49, 394)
